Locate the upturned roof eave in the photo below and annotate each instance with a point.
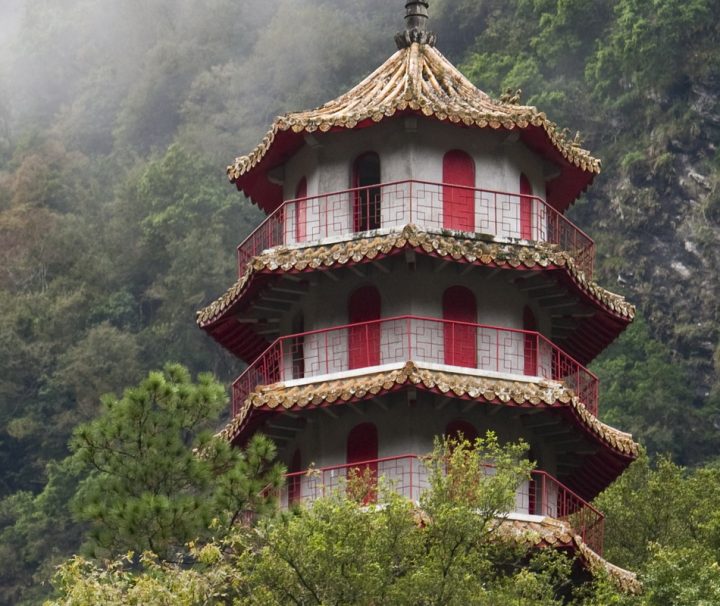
(417, 80)
(279, 398)
(311, 258)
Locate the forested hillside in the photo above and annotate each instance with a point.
(117, 222)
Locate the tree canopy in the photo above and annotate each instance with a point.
(447, 549)
(665, 523)
(116, 223)
(157, 475)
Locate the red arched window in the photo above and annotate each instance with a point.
(295, 481)
(460, 427)
(530, 346)
(366, 201)
(362, 447)
(301, 210)
(526, 208)
(458, 203)
(364, 340)
(460, 339)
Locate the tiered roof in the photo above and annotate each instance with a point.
(416, 80)
(593, 335)
(343, 390)
(560, 535)
(616, 451)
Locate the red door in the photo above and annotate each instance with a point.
(526, 207)
(301, 211)
(458, 203)
(294, 482)
(530, 345)
(459, 339)
(366, 202)
(362, 446)
(364, 340)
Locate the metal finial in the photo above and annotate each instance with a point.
(416, 16)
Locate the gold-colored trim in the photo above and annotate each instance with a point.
(417, 78)
(548, 393)
(472, 250)
(554, 533)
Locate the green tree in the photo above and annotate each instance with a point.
(634, 59)
(157, 476)
(336, 553)
(644, 506)
(664, 522)
(37, 532)
(341, 550)
(682, 576)
(644, 392)
(175, 222)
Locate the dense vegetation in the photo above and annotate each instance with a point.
(450, 550)
(116, 222)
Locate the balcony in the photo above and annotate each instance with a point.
(450, 346)
(408, 475)
(434, 207)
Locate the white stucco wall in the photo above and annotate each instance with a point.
(413, 154)
(403, 429)
(417, 293)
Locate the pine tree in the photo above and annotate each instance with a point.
(158, 476)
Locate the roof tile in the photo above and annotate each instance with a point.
(549, 393)
(420, 78)
(472, 250)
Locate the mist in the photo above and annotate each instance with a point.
(10, 12)
(117, 221)
(104, 76)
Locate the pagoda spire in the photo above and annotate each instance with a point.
(416, 16)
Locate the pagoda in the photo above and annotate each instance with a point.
(416, 276)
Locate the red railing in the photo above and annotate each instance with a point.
(330, 351)
(408, 476)
(432, 206)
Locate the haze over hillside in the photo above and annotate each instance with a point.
(117, 222)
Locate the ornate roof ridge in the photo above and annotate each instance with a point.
(417, 78)
(548, 393)
(553, 532)
(472, 250)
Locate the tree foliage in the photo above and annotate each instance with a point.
(664, 522)
(644, 391)
(116, 223)
(344, 550)
(37, 532)
(158, 477)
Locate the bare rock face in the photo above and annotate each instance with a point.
(658, 233)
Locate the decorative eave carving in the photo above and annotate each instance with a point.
(556, 533)
(416, 16)
(471, 250)
(420, 79)
(414, 36)
(339, 391)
